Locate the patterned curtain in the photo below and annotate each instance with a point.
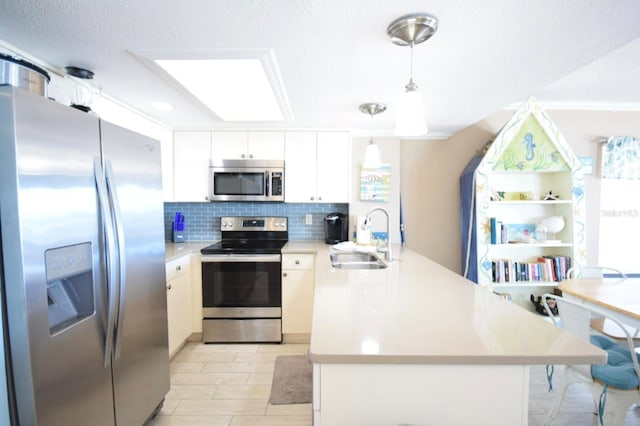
(621, 158)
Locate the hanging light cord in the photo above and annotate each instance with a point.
(371, 129)
(411, 64)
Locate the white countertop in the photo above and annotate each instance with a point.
(175, 250)
(418, 312)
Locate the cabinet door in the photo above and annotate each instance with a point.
(300, 167)
(267, 145)
(196, 294)
(333, 161)
(178, 302)
(191, 153)
(229, 145)
(297, 293)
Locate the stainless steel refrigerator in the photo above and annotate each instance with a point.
(82, 264)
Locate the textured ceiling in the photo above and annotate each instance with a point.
(334, 54)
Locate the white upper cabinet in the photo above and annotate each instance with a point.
(267, 145)
(191, 153)
(300, 167)
(232, 144)
(317, 167)
(317, 164)
(333, 154)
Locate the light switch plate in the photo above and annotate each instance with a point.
(308, 219)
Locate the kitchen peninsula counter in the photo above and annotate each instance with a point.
(416, 343)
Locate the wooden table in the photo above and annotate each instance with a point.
(617, 296)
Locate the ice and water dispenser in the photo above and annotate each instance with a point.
(70, 295)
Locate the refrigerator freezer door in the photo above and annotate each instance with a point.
(52, 262)
(141, 358)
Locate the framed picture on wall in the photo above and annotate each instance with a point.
(375, 184)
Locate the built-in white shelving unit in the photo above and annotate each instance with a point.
(527, 174)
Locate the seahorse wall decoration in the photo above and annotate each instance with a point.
(529, 146)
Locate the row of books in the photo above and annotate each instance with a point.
(545, 268)
(503, 233)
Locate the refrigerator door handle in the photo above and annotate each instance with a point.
(109, 232)
(122, 278)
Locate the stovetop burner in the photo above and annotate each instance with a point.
(245, 247)
(250, 235)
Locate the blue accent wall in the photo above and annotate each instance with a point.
(202, 220)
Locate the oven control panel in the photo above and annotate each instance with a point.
(253, 223)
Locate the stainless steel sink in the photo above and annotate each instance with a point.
(356, 260)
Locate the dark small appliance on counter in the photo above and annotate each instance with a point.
(336, 228)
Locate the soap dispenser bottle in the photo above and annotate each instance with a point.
(363, 230)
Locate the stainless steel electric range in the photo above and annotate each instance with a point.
(242, 281)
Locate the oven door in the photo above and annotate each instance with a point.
(239, 285)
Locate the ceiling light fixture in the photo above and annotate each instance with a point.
(372, 153)
(409, 30)
(237, 85)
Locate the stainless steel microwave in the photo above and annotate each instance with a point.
(246, 180)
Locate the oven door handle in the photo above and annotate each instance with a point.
(251, 258)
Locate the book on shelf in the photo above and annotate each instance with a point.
(503, 233)
(543, 269)
(495, 227)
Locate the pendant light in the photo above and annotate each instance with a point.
(372, 153)
(409, 30)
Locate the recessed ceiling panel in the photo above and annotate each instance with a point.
(237, 85)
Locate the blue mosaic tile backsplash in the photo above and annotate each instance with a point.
(202, 220)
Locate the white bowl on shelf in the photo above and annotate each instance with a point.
(551, 225)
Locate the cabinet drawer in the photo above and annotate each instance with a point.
(177, 267)
(298, 261)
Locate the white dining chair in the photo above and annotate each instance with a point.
(613, 385)
(594, 272)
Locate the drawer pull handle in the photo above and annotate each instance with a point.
(284, 274)
(297, 262)
(169, 287)
(179, 268)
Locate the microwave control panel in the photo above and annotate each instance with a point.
(276, 183)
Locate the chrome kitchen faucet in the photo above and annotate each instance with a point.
(388, 256)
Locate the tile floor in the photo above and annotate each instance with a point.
(229, 385)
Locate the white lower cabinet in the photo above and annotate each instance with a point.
(179, 303)
(298, 276)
